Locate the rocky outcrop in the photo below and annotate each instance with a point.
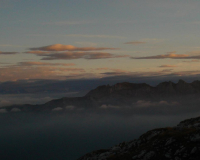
(173, 143)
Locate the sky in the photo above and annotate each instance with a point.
(73, 39)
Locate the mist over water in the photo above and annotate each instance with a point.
(60, 136)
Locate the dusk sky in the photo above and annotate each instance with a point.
(74, 39)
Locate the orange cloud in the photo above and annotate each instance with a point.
(135, 42)
(61, 47)
(37, 52)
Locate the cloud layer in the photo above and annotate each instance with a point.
(167, 65)
(78, 55)
(44, 64)
(33, 70)
(171, 56)
(135, 42)
(68, 52)
(61, 47)
(7, 53)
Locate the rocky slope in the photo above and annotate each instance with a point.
(120, 94)
(176, 143)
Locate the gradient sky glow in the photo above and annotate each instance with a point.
(48, 39)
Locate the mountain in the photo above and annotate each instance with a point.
(120, 94)
(181, 142)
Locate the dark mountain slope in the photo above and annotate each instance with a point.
(172, 143)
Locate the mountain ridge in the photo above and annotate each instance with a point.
(120, 94)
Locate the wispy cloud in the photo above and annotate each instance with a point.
(37, 52)
(44, 64)
(7, 53)
(94, 36)
(172, 52)
(61, 47)
(10, 45)
(15, 72)
(167, 70)
(111, 69)
(171, 56)
(167, 66)
(143, 103)
(192, 61)
(135, 42)
(78, 55)
(67, 23)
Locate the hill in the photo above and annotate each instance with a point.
(181, 142)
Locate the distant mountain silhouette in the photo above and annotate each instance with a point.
(123, 94)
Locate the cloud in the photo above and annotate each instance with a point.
(135, 42)
(59, 51)
(67, 23)
(4, 102)
(105, 68)
(93, 36)
(172, 52)
(105, 106)
(8, 53)
(10, 45)
(3, 111)
(57, 109)
(167, 70)
(15, 72)
(70, 107)
(112, 71)
(167, 65)
(78, 55)
(43, 64)
(37, 52)
(171, 56)
(192, 61)
(144, 103)
(15, 110)
(61, 47)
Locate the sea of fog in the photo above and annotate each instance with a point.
(64, 136)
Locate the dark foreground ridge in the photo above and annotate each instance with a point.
(172, 143)
(120, 94)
